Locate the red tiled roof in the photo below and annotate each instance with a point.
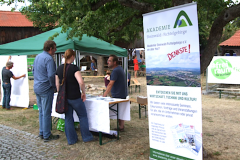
(232, 41)
(14, 19)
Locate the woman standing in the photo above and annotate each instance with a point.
(75, 98)
(135, 62)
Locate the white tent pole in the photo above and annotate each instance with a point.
(206, 80)
(125, 68)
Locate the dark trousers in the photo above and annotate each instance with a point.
(6, 95)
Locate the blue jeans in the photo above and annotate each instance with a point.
(6, 95)
(79, 106)
(44, 102)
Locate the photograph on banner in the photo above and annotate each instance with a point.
(173, 83)
(224, 69)
(183, 70)
(20, 87)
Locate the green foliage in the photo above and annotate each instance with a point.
(110, 22)
(207, 13)
(230, 29)
(113, 21)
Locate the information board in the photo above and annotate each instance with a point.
(224, 69)
(173, 83)
(20, 87)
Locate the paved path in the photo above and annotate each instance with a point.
(18, 145)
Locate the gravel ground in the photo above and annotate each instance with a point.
(18, 145)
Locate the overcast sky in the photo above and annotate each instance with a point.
(5, 7)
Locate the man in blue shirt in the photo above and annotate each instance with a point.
(117, 84)
(44, 70)
(93, 67)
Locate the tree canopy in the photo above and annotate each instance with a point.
(121, 20)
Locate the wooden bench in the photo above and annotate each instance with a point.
(130, 87)
(136, 84)
(131, 72)
(140, 106)
(87, 72)
(228, 90)
(92, 77)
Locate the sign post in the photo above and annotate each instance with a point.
(173, 83)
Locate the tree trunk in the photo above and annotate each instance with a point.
(216, 33)
(100, 66)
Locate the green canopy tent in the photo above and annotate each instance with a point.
(34, 45)
(87, 46)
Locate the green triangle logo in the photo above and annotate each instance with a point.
(181, 22)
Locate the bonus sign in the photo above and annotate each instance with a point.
(224, 69)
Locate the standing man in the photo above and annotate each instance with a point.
(6, 75)
(93, 67)
(44, 70)
(117, 84)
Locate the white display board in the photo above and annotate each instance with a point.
(20, 87)
(224, 69)
(173, 83)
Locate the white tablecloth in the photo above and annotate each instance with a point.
(98, 113)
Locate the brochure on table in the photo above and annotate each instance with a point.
(173, 83)
(20, 87)
(224, 69)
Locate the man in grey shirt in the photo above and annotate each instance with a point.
(6, 76)
(44, 70)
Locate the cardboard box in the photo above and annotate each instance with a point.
(142, 100)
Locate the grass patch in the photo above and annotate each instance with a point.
(209, 119)
(208, 134)
(22, 120)
(217, 153)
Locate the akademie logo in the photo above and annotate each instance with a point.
(182, 22)
(221, 68)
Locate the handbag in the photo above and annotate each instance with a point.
(61, 104)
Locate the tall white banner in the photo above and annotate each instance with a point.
(224, 69)
(20, 87)
(173, 83)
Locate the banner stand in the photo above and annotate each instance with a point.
(173, 83)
